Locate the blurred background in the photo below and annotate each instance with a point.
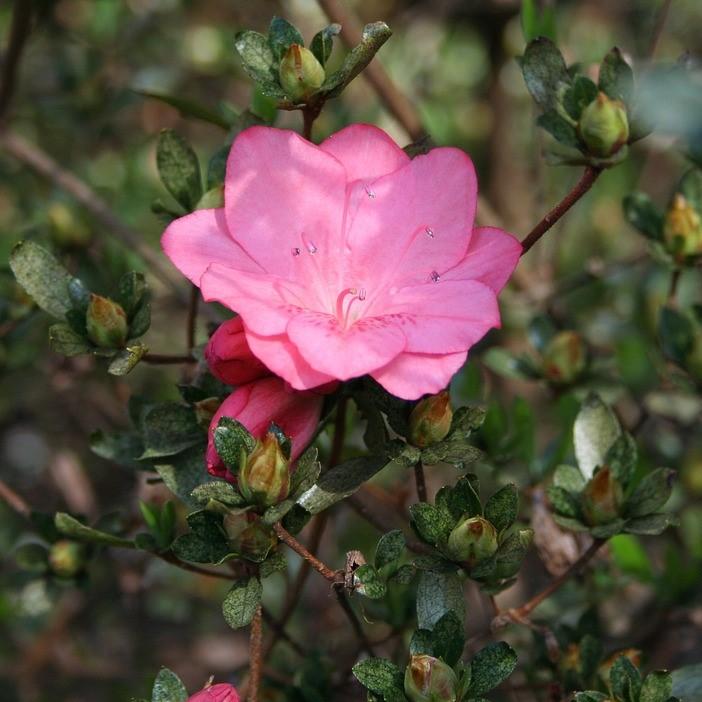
(78, 101)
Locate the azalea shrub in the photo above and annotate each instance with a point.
(354, 415)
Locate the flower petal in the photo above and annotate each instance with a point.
(194, 241)
(365, 151)
(345, 353)
(284, 195)
(491, 258)
(443, 317)
(418, 219)
(412, 375)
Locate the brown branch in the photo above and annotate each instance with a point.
(184, 565)
(421, 482)
(355, 623)
(19, 32)
(519, 614)
(14, 501)
(166, 359)
(586, 181)
(397, 104)
(191, 322)
(309, 115)
(658, 28)
(674, 281)
(255, 660)
(289, 540)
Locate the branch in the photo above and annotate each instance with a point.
(191, 323)
(358, 629)
(255, 661)
(586, 181)
(289, 540)
(166, 359)
(19, 31)
(658, 28)
(14, 501)
(519, 615)
(421, 482)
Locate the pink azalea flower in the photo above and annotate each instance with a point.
(216, 693)
(261, 402)
(348, 258)
(229, 356)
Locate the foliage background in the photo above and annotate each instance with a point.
(76, 99)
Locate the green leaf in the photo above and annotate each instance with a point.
(275, 563)
(306, 472)
(242, 601)
(625, 680)
(563, 502)
(657, 687)
(422, 642)
(64, 340)
(491, 666)
(676, 334)
(70, 526)
(189, 108)
(538, 21)
(545, 72)
(121, 447)
(340, 482)
(323, 42)
(257, 60)
(568, 478)
(281, 34)
(379, 676)
(169, 429)
(616, 77)
(179, 168)
(596, 429)
(131, 291)
(650, 525)
(462, 500)
(690, 187)
(373, 37)
(570, 523)
(206, 545)
(687, 683)
(220, 491)
(448, 638)
(389, 548)
(438, 593)
(622, 458)
(432, 525)
(651, 493)
(370, 583)
(231, 440)
(579, 96)
(511, 552)
(503, 507)
(126, 359)
(605, 531)
(168, 688)
(454, 449)
(559, 128)
(43, 278)
(183, 473)
(630, 557)
(641, 212)
(590, 696)
(32, 557)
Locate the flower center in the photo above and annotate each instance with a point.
(345, 301)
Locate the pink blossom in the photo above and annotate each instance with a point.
(348, 258)
(229, 356)
(261, 402)
(216, 693)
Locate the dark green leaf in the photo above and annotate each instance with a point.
(242, 601)
(438, 593)
(432, 525)
(323, 42)
(44, 279)
(491, 666)
(422, 642)
(257, 60)
(179, 168)
(130, 292)
(651, 493)
(559, 128)
(690, 187)
(275, 563)
(641, 212)
(511, 552)
(121, 447)
(579, 96)
(503, 507)
(369, 582)
(379, 676)
(70, 526)
(389, 548)
(141, 320)
(183, 473)
(616, 77)
(657, 687)
(232, 440)
(281, 34)
(169, 429)
(220, 491)
(563, 502)
(676, 334)
(448, 638)
(650, 525)
(622, 458)
(32, 557)
(545, 72)
(306, 472)
(66, 341)
(605, 531)
(568, 478)
(463, 499)
(189, 108)
(625, 680)
(168, 688)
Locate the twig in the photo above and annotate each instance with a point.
(309, 115)
(355, 623)
(255, 661)
(14, 501)
(290, 541)
(589, 176)
(166, 359)
(395, 101)
(184, 565)
(191, 322)
(32, 156)
(19, 31)
(421, 482)
(674, 281)
(658, 28)
(520, 614)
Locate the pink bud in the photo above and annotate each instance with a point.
(229, 357)
(216, 693)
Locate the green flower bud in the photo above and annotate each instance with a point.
(248, 535)
(683, 229)
(564, 358)
(300, 73)
(265, 478)
(67, 558)
(472, 541)
(602, 498)
(430, 420)
(604, 126)
(106, 323)
(428, 679)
